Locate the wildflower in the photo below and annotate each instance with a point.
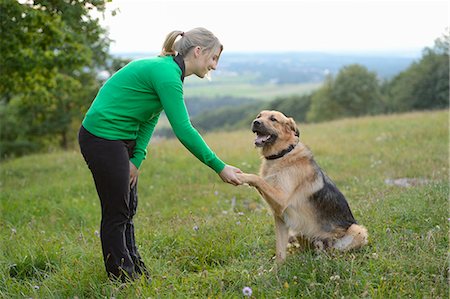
(96, 233)
(196, 228)
(286, 285)
(36, 287)
(216, 193)
(13, 230)
(335, 277)
(247, 291)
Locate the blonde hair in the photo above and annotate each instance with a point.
(196, 37)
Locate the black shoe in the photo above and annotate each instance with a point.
(141, 269)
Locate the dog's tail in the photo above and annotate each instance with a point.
(355, 237)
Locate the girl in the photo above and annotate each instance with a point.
(119, 124)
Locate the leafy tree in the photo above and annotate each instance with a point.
(51, 52)
(322, 106)
(354, 92)
(357, 91)
(425, 84)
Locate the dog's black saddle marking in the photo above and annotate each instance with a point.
(332, 206)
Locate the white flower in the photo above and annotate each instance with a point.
(196, 228)
(247, 291)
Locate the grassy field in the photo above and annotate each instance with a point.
(241, 87)
(50, 214)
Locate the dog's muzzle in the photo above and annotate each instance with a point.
(263, 136)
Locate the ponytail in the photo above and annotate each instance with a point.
(196, 37)
(167, 48)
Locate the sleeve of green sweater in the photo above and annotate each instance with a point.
(143, 138)
(171, 97)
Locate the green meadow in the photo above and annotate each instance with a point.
(202, 238)
(267, 91)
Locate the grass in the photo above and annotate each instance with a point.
(49, 245)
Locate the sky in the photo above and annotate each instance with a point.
(264, 26)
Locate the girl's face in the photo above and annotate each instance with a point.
(206, 61)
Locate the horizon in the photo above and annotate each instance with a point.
(407, 53)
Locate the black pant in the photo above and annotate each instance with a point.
(109, 161)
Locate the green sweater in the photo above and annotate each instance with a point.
(129, 104)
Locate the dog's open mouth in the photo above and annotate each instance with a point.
(264, 138)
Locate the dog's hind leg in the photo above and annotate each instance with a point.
(282, 238)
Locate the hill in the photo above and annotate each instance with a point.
(49, 245)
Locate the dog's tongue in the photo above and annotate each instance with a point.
(260, 139)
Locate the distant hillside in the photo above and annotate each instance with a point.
(300, 67)
(247, 82)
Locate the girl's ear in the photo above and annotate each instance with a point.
(197, 51)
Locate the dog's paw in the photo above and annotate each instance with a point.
(244, 178)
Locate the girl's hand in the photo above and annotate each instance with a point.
(228, 175)
(134, 173)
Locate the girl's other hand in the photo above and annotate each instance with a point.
(134, 173)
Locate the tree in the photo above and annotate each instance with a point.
(51, 52)
(425, 84)
(357, 91)
(322, 106)
(354, 92)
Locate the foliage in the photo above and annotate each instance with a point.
(354, 92)
(49, 245)
(425, 84)
(51, 51)
(322, 108)
(241, 116)
(224, 118)
(295, 106)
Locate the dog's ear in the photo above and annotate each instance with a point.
(293, 126)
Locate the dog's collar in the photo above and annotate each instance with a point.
(282, 153)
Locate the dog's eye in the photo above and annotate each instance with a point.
(272, 118)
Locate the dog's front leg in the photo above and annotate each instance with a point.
(277, 199)
(282, 237)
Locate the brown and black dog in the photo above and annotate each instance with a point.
(304, 200)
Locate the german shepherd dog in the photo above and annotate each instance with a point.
(304, 201)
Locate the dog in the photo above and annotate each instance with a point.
(305, 202)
